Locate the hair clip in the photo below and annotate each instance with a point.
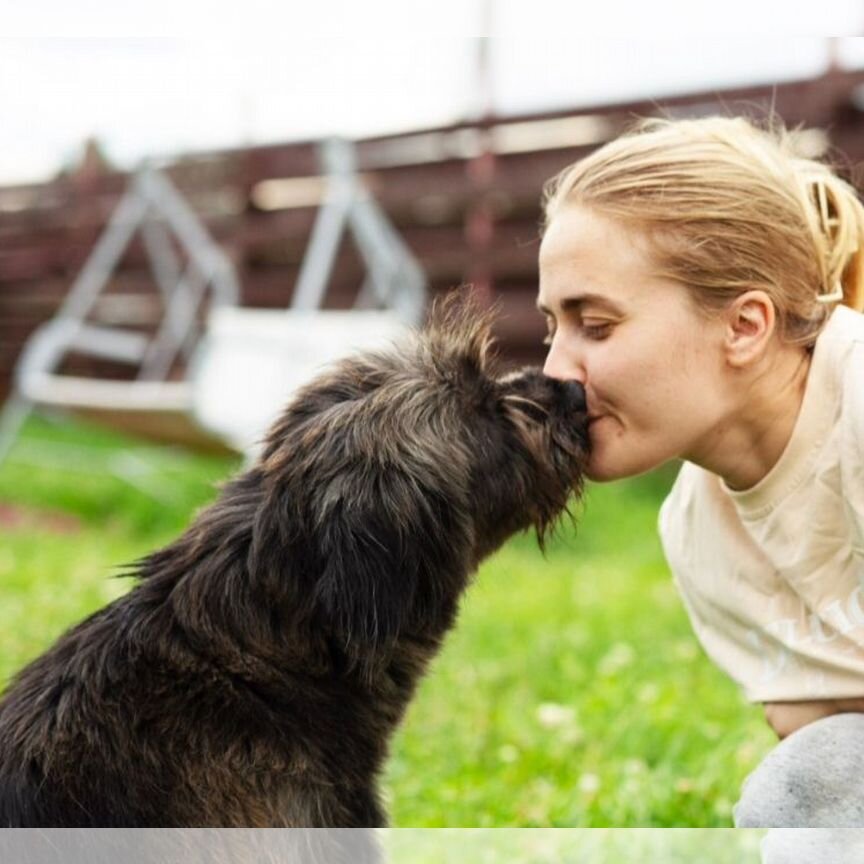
(834, 297)
(828, 220)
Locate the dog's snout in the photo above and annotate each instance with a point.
(574, 396)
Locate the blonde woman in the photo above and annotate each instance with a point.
(701, 279)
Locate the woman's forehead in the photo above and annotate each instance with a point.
(587, 258)
(579, 236)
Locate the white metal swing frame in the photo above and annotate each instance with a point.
(249, 360)
(154, 207)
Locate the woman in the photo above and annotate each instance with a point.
(699, 278)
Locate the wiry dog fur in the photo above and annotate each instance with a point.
(256, 672)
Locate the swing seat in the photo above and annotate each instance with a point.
(251, 361)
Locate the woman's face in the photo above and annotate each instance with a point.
(651, 364)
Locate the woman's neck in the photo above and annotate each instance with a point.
(749, 442)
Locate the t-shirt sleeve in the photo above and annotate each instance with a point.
(673, 513)
(675, 531)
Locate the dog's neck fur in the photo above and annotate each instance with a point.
(255, 622)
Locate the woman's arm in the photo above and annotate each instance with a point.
(787, 717)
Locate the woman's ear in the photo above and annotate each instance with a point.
(750, 322)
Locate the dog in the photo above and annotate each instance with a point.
(256, 672)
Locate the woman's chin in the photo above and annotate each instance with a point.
(602, 467)
(615, 454)
(601, 474)
(599, 470)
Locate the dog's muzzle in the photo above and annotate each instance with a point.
(574, 397)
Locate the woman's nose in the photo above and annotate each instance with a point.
(562, 364)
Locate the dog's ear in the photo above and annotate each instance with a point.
(348, 380)
(349, 530)
(384, 568)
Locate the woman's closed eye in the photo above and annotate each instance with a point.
(596, 330)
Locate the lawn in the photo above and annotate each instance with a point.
(572, 693)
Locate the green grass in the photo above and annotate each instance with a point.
(124, 499)
(572, 693)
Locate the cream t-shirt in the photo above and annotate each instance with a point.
(772, 576)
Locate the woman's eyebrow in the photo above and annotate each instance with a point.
(577, 301)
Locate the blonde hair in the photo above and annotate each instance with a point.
(730, 207)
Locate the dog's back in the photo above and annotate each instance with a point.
(125, 722)
(61, 724)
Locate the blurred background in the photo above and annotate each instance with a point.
(573, 693)
(454, 138)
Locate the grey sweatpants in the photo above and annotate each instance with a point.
(814, 779)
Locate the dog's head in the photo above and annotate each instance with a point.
(395, 472)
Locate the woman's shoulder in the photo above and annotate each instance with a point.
(844, 323)
(842, 337)
(697, 524)
(689, 481)
(837, 376)
(844, 341)
(851, 378)
(692, 494)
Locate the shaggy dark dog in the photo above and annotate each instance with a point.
(256, 672)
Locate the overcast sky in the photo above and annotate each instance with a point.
(164, 77)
